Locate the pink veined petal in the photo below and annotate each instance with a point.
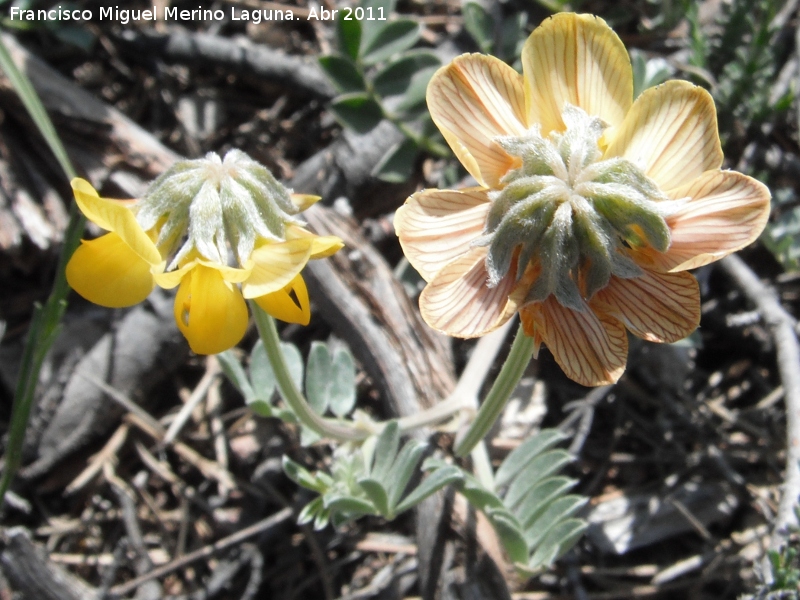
(658, 307)
(473, 100)
(209, 311)
(458, 301)
(108, 272)
(437, 226)
(591, 348)
(727, 211)
(115, 216)
(578, 60)
(671, 132)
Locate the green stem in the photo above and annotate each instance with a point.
(45, 322)
(510, 374)
(325, 427)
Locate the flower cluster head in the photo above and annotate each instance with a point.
(591, 206)
(221, 229)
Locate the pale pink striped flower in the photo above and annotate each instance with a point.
(590, 207)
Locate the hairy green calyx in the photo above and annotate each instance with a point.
(209, 205)
(572, 213)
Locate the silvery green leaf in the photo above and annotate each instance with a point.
(321, 520)
(261, 408)
(235, 373)
(480, 25)
(510, 534)
(301, 476)
(433, 482)
(377, 494)
(380, 9)
(395, 77)
(318, 377)
(349, 505)
(414, 99)
(479, 497)
(560, 539)
(343, 73)
(526, 452)
(308, 436)
(356, 111)
(560, 510)
(349, 35)
(310, 511)
(403, 469)
(261, 374)
(385, 451)
(539, 468)
(294, 362)
(397, 165)
(342, 393)
(540, 496)
(390, 39)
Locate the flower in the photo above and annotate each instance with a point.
(197, 215)
(590, 206)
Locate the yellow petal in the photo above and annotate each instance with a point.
(322, 246)
(170, 279)
(209, 311)
(579, 60)
(727, 211)
(114, 216)
(275, 265)
(303, 201)
(458, 301)
(670, 132)
(437, 226)
(107, 272)
(473, 100)
(590, 348)
(289, 304)
(656, 307)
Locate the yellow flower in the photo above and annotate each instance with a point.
(198, 214)
(591, 206)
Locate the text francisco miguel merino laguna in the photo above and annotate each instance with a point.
(254, 15)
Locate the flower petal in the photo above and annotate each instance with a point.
(108, 272)
(116, 217)
(303, 201)
(209, 311)
(656, 307)
(591, 348)
(289, 304)
(437, 226)
(459, 302)
(473, 100)
(727, 211)
(170, 279)
(671, 132)
(275, 265)
(322, 246)
(576, 59)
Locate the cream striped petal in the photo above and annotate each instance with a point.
(473, 100)
(275, 265)
(591, 348)
(727, 211)
(655, 307)
(459, 303)
(437, 226)
(576, 59)
(670, 132)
